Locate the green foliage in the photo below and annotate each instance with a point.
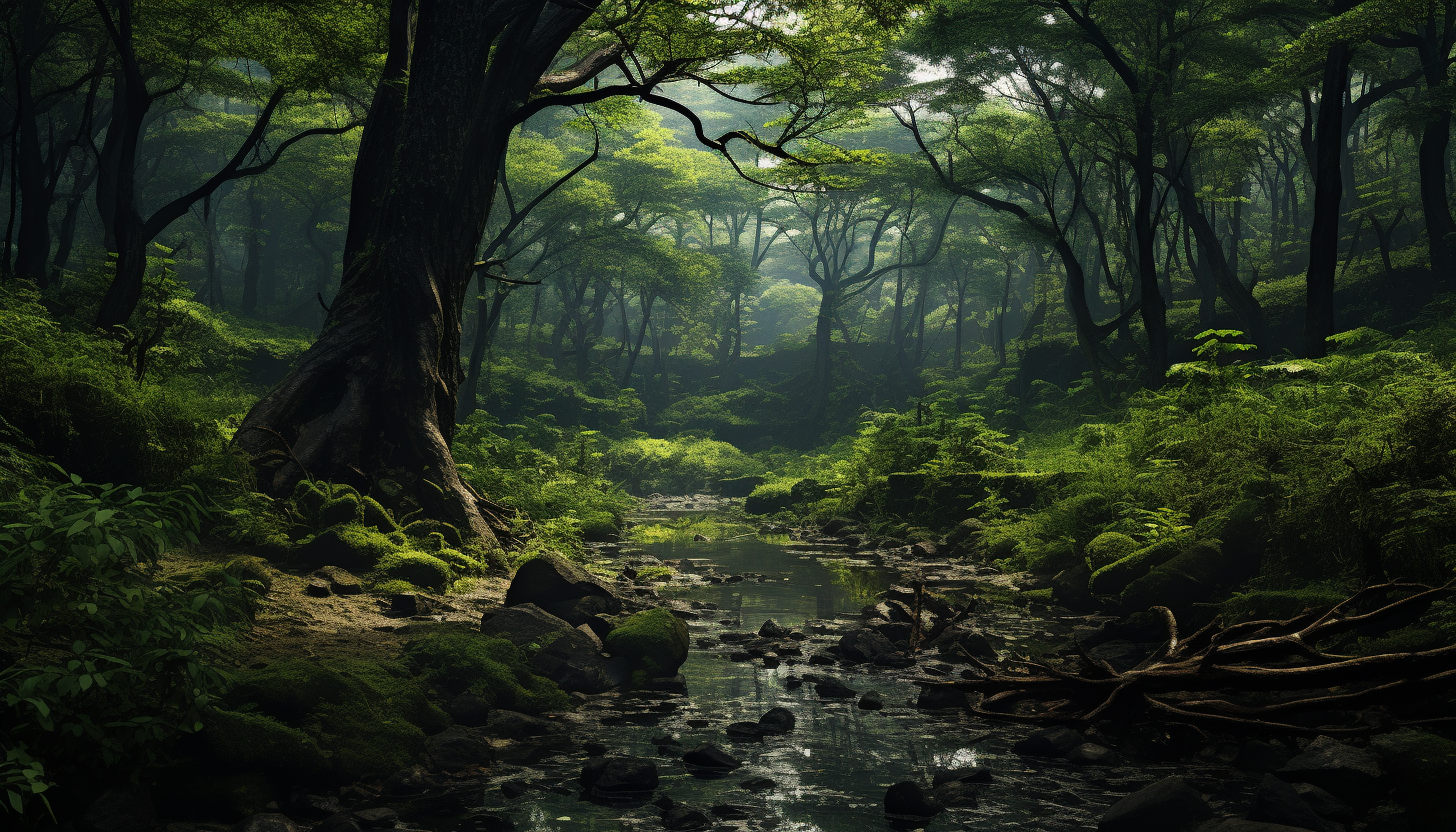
(1109, 547)
(492, 668)
(684, 529)
(105, 663)
(681, 465)
(654, 641)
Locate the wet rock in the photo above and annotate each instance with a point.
(591, 635)
(1049, 742)
(594, 749)
(317, 588)
(957, 794)
(339, 822)
(513, 789)
(833, 689)
(492, 823)
(1166, 805)
(1069, 588)
(871, 701)
(1391, 817)
(315, 806)
(1275, 801)
(910, 799)
(469, 710)
(1323, 803)
(1335, 767)
(684, 818)
(965, 638)
(573, 660)
(770, 661)
(340, 581)
(728, 811)
(559, 587)
(822, 660)
(119, 810)
(794, 682)
(940, 697)
(865, 645)
(405, 603)
(711, 759)
(412, 780)
(459, 747)
(267, 822)
(970, 774)
(1238, 825)
(511, 725)
(379, 818)
(777, 721)
(523, 625)
(618, 776)
(1092, 754)
(774, 630)
(757, 784)
(744, 731)
(925, 549)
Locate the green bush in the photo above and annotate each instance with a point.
(680, 465)
(492, 668)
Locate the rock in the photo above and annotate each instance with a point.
(710, 758)
(940, 697)
(317, 588)
(1262, 756)
(1335, 767)
(583, 611)
(380, 818)
(459, 747)
(757, 784)
(405, 603)
(573, 660)
(822, 660)
(406, 781)
(1392, 817)
(965, 638)
(770, 662)
(1166, 805)
(339, 822)
(514, 726)
(315, 806)
(1323, 803)
(556, 585)
(1121, 655)
(971, 774)
(654, 642)
(833, 689)
(728, 811)
(119, 810)
(1420, 768)
(1058, 741)
(909, 799)
(340, 581)
(618, 776)
(513, 789)
(683, 818)
(871, 701)
(523, 625)
(957, 794)
(1092, 754)
(925, 549)
(469, 710)
(1193, 576)
(773, 629)
(594, 749)
(1069, 588)
(744, 731)
(866, 645)
(596, 640)
(1237, 825)
(266, 822)
(1275, 801)
(777, 721)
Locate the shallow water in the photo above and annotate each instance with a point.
(832, 771)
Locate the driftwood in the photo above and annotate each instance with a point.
(1257, 675)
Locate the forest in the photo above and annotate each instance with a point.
(810, 415)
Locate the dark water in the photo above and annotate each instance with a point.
(833, 770)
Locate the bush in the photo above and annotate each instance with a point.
(492, 668)
(681, 465)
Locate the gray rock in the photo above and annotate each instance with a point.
(1092, 754)
(523, 625)
(777, 721)
(514, 726)
(583, 611)
(910, 799)
(1335, 767)
(618, 776)
(1275, 801)
(549, 580)
(871, 701)
(833, 689)
(459, 747)
(1324, 804)
(757, 784)
(380, 818)
(340, 581)
(957, 794)
(710, 758)
(684, 818)
(866, 645)
(573, 660)
(1058, 741)
(773, 629)
(469, 710)
(962, 637)
(1166, 805)
(744, 731)
(266, 822)
(940, 697)
(971, 774)
(317, 588)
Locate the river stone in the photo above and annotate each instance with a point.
(744, 731)
(777, 721)
(774, 630)
(964, 637)
(523, 625)
(684, 818)
(957, 794)
(709, 757)
(1335, 767)
(340, 581)
(339, 822)
(1058, 741)
(379, 818)
(317, 588)
(833, 689)
(1166, 805)
(1275, 801)
(459, 747)
(728, 811)
(757, 784)
(871, 701)
(970, 774)
(940, 697)
(469, 710)
(266, 822)
(573, 660)
(1323, 803)
(618, 776)
(865, 645)
(1069, 588)
(549, 580)
(1092, 754)
(315, 806)
(513, 789)
(515, 726)
(909, 799)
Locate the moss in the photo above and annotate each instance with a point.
(418, 568)
(374, 515)
(1193, 576)
(494, 669)
(366, 742)
(1040, 596)
(291, 689)
(656, 641)
(1109, 547)
(1051, 557)
(254, 742)
(250, 568)
(399, 691)
(351, 546)
(422, 529)
(460, 562)
(1114, 577)
(342, 508)
(1421, 767)
(392, 587)
(598, 526)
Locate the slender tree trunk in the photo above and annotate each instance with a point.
(488, 313)
(1435, 199)
(1154, 310)
(636, 348)
(821, 383)
(253, 248)
(1324, 232)
(33, 247)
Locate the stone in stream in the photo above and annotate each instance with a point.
(871, 701)
(573, 660)
(970, 774)
(559, 587)
(728, 811)
(865, 645)
(469, 710)
(939, 697)
(378, 818)
(1049, 742)
(522, 625)
(910, 799)
(459, 747)
(513, 789)
(777, 721)
(770, 661)
(710, 759)
(1092, 754)
(744, 731)
(822, 660)
(618, 776)
(266, 822)
(1350, 772)
(957, 794)
(512, 725)
(1166, 805)
(833, 689)
(757, 784)
(1275, 801)
(683, 818)
(339, 822)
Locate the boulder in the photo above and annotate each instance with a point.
(1195, 575)
(1058, 741)
(340, 581)
(865, 645)
(459, 747)
(523, 625)
(1166, 805)
(970, 774)
(709, 758)
(777, 721)
(317, 588)
(469, 710)
(379, 818)
(773, 629)
(909, 799)
(744, 731)
(573, 660)
(964, 637)
(957, 794)
(583, 611)
(1069, 588)
(833, 689)
(939, 697)
(1336, 767)
(1421, 767)
(1325, 804)
(1113, 578)
(515, 726)
(1092, 754)
(267, 822)
(684, 818)
(654, 642)
(757, 784)
(618, 776)
(1275, 801)
(871, 701)
(548, 580)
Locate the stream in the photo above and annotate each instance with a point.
(831, 773)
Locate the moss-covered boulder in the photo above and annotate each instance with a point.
(418, 568)
(1114, 577)
(240, 742)
(1278, 604)
(1109, 547)
(423, 529)
(456, 661)
(352, 546)
(1195, 575)
(655, 642)
(1421, 767)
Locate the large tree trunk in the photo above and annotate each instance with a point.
(1324, 230)
(1435, 201)
(374, 398)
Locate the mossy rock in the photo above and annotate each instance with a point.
(1194, 576)
(1421, 767)
(337, 510)
(350, 546)
(1278, 604)
(654, 641)
(244, 742)
(375, 516)
(458, 661)
(292, 689)
(418, 568)
(365, 743)
(1109, 547)
(399, 691)
(1051, 557)
(250, 568)
(422, 529)
(460, 562)
(1115, 577)
(598, 526)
